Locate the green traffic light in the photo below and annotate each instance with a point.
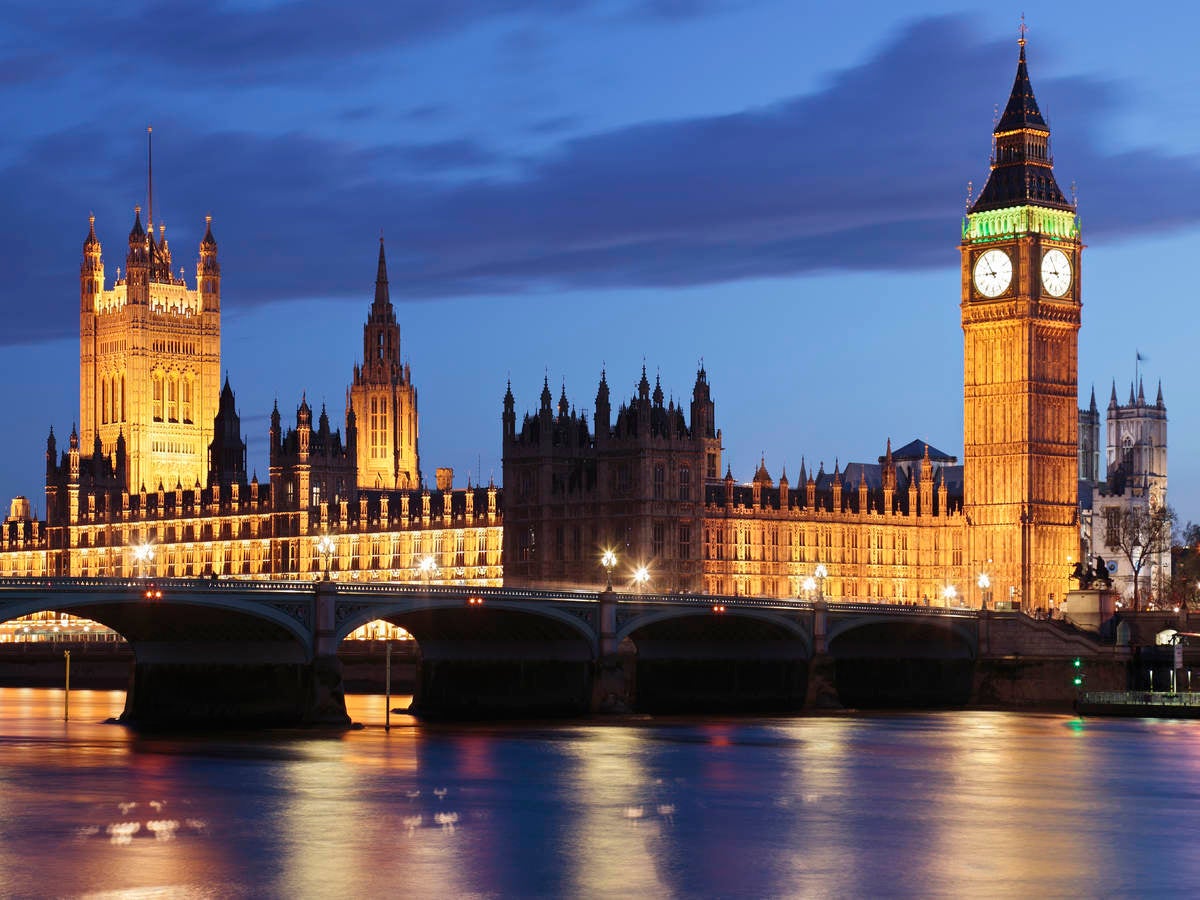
(1078, 662)
(1078, 681)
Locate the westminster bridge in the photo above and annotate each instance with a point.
(253, 652)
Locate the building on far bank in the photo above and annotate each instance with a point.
(648, 485)
(154, 483)
(1135, 479)
(1003, 526)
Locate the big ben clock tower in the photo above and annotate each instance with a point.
(1020, 318)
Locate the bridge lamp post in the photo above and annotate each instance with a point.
(426, 568)
(641, 576)
(985, 584)
(609, 561)
(808, 586)
(325, 548)
(949, 593)
(142, 554)
(822, 573)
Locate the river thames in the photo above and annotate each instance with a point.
(947, 803)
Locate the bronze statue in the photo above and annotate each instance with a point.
(1083, 575)
(1101, 573)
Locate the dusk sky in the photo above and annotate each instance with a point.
(563, 185)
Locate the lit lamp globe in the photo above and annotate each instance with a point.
(985, 584)
(609, 561)
(641, 576)
(949, 594)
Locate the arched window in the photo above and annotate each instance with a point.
(158, 397)
(685, 483)
(173, 398)
(187, 399)
(104, 401)
(660, 477)
(121, 406)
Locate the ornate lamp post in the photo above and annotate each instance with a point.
(427, 568)
(985, 584)
(325, 548)
(641, 576)
(949, 593)
(142, 554)
(808, 586)
(822, 573)
(609, 561)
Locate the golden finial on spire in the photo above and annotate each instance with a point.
(970, 194)
(1022, 29)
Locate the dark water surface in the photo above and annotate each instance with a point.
(949, 803)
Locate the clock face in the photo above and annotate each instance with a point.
(1056, 272)
(993, 273)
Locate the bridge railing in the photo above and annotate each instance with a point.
(457, 591)
(134, 584)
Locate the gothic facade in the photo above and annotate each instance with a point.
(154, 482)
(648, 486)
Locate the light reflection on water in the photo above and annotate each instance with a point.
(983, 803)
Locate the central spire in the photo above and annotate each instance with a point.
(382, 299)
(1022, 166)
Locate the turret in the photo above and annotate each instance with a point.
(276, 433)
(926, 487)
(546, 411)
(137, 261)
(91, 270)
(304, 427)
(889, 480)
(51, 453)
(603, 416)
(563, 405)
(208, 270)
(509, 416)
(227, 452)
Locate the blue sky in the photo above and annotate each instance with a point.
(570, 184)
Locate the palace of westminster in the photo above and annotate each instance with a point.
(153, 481)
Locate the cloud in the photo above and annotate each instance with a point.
(443, 156)
(867, 173)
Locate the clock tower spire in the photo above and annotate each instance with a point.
(1020, 317)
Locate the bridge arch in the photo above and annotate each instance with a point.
(704, 659)
(409, 615)
(138, 619)
(955, 636)
(903, 661)
(788, 628)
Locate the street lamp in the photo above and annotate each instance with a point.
(984, 584)
(808, 586)
(427, 568)
(641, 575)
(822, 573)
(949, 593)
(609, 561)
(142, 554)
(325, 548)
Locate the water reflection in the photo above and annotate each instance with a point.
(978, 802)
